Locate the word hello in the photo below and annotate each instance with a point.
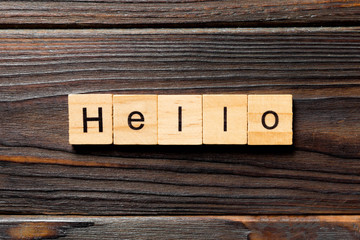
(180, 119)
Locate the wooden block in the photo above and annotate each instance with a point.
(135, 119)
(179, 119)
(225, 119)
(90, 119)
(270, 120)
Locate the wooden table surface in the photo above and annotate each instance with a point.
(307, 48)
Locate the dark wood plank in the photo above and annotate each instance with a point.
(100, 13)
(209, 227)
(42, 174)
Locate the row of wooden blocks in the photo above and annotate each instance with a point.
(180, 119)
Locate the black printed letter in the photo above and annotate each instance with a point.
(99, 118)
(130, 119)
(180, 119)
(276, 120)
(225, 119)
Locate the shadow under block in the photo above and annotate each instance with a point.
(180, 119)
(225, 119)
(90, 119)
(270, 120)
(135, 119)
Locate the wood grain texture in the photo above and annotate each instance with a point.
(142, 112)
(262, 110)
(186, 107)
(182, 227)
(83, 109)
(225, 119)
(100, 13)
(42, 174)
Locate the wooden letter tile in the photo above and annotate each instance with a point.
(270, 120)
(135, 119)
(179, 119)
(90, 119)
(225, 119)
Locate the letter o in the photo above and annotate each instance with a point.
(264, 117)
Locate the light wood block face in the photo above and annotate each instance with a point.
(90, 119)
(225, 119)
(135, 119)
(270, 120)
(179, 119)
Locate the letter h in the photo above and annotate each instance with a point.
(99, 119)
